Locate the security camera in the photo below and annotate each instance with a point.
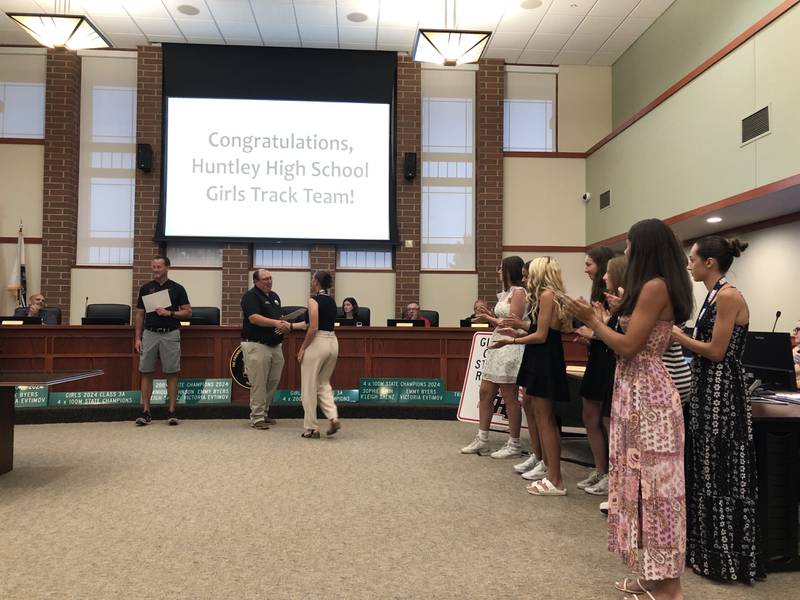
(586, 197)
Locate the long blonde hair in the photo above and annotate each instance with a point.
(544, 273)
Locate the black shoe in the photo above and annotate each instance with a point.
(172, 419)
(144, 419)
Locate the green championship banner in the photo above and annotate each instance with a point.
(293, 396)
(93, 398)
(30, 396)
(194, 391)
(218, 391)
(404, 391)
(190, 391)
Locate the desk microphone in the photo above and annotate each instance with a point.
(777, 316)
(86, 306)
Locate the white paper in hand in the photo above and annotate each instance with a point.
(156, 300)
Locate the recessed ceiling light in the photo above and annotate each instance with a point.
(188, 9)
(357, 17)
(714, 220)
(530, 4)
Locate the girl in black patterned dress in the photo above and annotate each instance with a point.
(721, 481)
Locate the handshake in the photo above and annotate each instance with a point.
(283, 327)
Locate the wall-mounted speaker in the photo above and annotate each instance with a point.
(410, 165)
(144, 157)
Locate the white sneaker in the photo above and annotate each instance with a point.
(600, 488)
(478, 446)
(537, 473)
(604, 507)
(526, 466)
(592, 479)
(509, 450)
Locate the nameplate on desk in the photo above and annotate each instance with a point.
(186, 323)
(480, 325)
(403, 324)
(12, 322)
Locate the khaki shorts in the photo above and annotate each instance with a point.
(163, 346)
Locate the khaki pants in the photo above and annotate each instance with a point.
(319, 361)
(263, 366)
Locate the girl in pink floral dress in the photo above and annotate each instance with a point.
(647, 505)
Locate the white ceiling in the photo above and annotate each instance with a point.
(594, 32)
(769, 206)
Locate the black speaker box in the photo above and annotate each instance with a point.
(409, 165)
(144, 157)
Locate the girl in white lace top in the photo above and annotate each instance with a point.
(502, 365)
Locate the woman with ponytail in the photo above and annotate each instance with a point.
(721, 481)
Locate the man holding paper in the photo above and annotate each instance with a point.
(263, 329)
(161, 306)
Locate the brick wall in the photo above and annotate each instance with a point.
(60, 189)
(409, 199)
(148, 185)
(323, 258)
(489, 93)
(235, 281)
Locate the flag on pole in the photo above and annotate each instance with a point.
(18, 283)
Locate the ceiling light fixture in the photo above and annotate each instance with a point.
(449, 46)
(530, 4)
(61, 29)
(357, 17)
(714, 220)
(188, 9)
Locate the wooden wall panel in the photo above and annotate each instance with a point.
(17, 342)
(206, 352)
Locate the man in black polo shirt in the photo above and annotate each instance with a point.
(161, 338)
(262, 334)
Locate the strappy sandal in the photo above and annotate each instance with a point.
(624, 587)
(545, 487)
(335, 426)
(310, 433)
(636, 596)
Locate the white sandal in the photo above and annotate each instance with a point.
(624, 587)
(545, 487)
(649, 595)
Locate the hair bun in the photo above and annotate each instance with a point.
(736, 246)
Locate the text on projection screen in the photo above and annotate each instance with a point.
(277, 169)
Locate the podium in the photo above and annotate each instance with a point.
(8, 382)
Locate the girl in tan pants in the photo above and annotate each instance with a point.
(317, 357)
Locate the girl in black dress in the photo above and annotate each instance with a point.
(721, 481)
(598, 380)
(543, 372)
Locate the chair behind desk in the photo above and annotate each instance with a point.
(285, 310)
(204, 315)
(364, 315)
(432, 316)
(107, 314)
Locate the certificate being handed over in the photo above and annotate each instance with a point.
(156, 300)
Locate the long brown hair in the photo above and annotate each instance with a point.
(655, 252)
(600, 256)
(511, 269)
(616, 269)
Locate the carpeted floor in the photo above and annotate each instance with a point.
(214, 509)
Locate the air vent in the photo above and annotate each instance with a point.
(755, 125)
(605, 199)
